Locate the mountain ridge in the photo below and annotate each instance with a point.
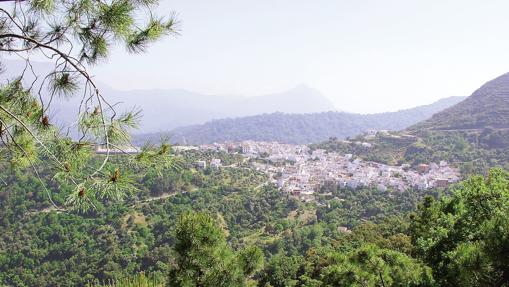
(299, 128)
(488, 106)
(166, 109)
(473, 134)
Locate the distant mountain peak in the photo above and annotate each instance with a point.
(306, 91)
(166, 109)
(303, 87)
(298, 100)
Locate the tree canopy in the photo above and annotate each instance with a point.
(464, 237)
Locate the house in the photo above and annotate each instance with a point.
(422, 185)
(441, 183)
(296, 191)
(344, 229)
(103, 149)
(246, 148)
(423, 168)
(201, 164)
(184, 148)
(231, 148)
(371, 132)
(215, 163)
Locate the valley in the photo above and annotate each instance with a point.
(288, 203)
(142, 146)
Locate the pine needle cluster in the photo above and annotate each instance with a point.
(73, 35)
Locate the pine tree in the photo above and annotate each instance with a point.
(74, 35)
(204, 257)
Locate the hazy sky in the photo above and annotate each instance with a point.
(364, 55)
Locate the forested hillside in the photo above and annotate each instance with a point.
(472, 134)
(121, 238)
(221, 227)
(300, 128)
(487, 107)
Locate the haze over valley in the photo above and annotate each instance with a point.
(298, 115)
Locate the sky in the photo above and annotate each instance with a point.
(366, 56)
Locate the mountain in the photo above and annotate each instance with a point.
(473, 134)
(300, 128)
(167, 109)
(486, 107)
(301, 99)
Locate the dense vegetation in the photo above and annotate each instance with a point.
(214, 227)
(301, 128)
(472, 151)
(486, 107)
(118, 239)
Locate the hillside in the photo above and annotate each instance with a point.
(168, 109)
(301, 128)
(472, 134)
(486, 107)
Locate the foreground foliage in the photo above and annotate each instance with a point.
(465, 237)
(139, 280)
(205, 259)
(72, 36)
(209, 227)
